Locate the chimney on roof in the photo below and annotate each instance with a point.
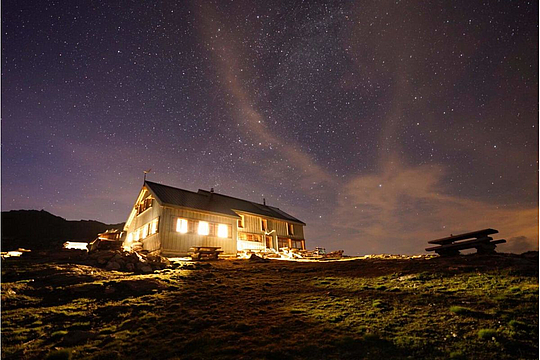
(264, 201)
(211, 190)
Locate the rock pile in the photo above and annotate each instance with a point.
(128, 261)
(398, 257)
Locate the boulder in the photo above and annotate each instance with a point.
(256, 258)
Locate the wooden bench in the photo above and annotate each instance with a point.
(209, 252)
(451, 245)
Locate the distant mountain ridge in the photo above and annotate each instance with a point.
(34, 229)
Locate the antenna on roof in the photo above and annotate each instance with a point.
(264, 201)
(211, 190)
(146, 172)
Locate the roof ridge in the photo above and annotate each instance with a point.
(172, 187)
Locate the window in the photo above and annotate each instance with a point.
(182, 226)
(241, 221)
(264, 224)
(204, 228)
(154, 226)
(296, 244)
(136, 235)
(290, 229)
(283, 243)
(145, 204)
(250, 237)
(144, 231)
(222, 231)
(130, 237)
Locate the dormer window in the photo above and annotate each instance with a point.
(144, 205)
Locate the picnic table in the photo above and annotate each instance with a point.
(209, 252)
(451, 245)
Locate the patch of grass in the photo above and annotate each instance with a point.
(518, 325)
(81, 325)
(379, 304)
(410, 342)
(58, 334)
(63, 354)
(460, 310)
(456, 355)
(487, 334)
(345, 310)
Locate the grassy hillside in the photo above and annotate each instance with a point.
(471, 307)
(32, 229)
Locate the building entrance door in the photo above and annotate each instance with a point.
(269, 242)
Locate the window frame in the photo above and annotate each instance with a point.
(181, 229)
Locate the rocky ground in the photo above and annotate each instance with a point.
(67, 305)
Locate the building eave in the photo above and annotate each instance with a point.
(173, 206)
(269, 217)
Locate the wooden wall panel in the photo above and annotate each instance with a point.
(250, 245)
(151, 243)
(177, 243)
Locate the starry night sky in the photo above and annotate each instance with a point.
(381, 124)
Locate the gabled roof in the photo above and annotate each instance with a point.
(213, 202)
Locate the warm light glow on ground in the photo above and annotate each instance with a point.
(75, 245)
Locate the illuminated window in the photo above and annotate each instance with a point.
(154, 226)
(250, 237)
(204, 228)
(144, 204)
(145, 231)
(130, 237)
(296, 244)
(223, 231)
(136, 235)
(181, 226)
(283, 243)
(241, 221)
(264, 224)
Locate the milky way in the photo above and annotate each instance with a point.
(380, 124)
